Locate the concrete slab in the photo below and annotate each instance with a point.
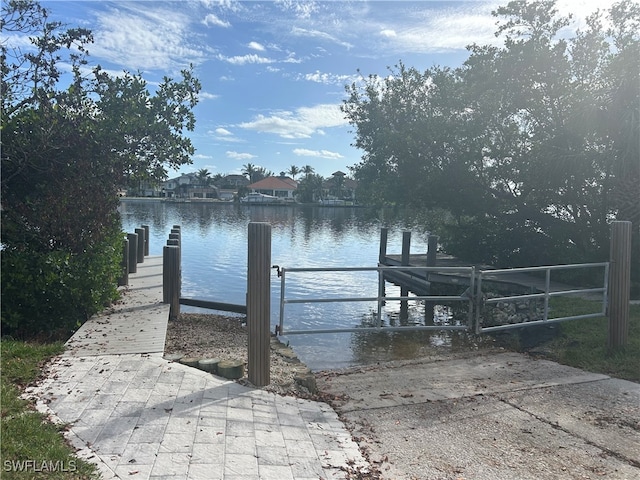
(429, 380)
(493, 416)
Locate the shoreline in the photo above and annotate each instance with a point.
(216, 201)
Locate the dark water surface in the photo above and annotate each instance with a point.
(214, 267)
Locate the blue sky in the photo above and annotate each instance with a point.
(273, 73)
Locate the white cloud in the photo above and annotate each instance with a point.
(303, 123)
(438, 30)
(256, 46)
(328, 78)
(240, 156)
(212, 20)
(223, 135)
(302, 9)
(245, 59)
(303, 152)
(138, 36)
(319, 35)
(207, 96)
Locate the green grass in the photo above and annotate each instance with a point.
(31, 446)
(583, 343)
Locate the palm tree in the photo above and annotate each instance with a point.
(249, 170)
(203, 177)
(260, 173)
(293, 171)
(307, 170)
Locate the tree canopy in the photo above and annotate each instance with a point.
(72, 136)
(531, 147)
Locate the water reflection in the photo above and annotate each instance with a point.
(214, 259)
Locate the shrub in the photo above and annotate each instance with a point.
(51, 294)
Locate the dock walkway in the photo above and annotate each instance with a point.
(139, 416)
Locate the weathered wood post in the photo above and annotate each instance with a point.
(619, 283)
(133, 252)
(384, 234)
(259, 302)
(405, 261)
(146, 240)
(140, 249)
(171, 279)
(432, 250)
(124, 277)
(174, 236)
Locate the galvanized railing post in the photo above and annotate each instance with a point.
(282, 297)
(547, 288)
(381, 296)
(478, 304)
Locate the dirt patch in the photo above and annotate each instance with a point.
(226, 337)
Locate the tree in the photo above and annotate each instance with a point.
(307, 170)
(203, 177)
(310, 188)
(525, 145)
(261, 173)
(249, 171)
(293, 171)
(66, 151)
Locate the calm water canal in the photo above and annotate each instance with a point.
(214, 267)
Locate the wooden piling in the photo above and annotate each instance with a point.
(133, 252)
(124, 277)
(171, 279)
(432, 250)
(619, 284)
(384, 234)
(406, 247)
(146, 240)
(140, 249)
(259, 302)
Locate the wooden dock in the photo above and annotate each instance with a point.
(135, 324)
(419, 282)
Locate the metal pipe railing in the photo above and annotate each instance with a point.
(546, 295)
(380, 299)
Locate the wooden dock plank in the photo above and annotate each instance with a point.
(136, 324)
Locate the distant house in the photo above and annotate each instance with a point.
(188, 186)
(177, 187)
(281, 187)
(234, 181)
(339, 187)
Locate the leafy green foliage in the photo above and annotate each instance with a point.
(66, 151)
(50, 294)
(583, 344)
(532, 147)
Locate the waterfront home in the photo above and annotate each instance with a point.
(281, 187)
